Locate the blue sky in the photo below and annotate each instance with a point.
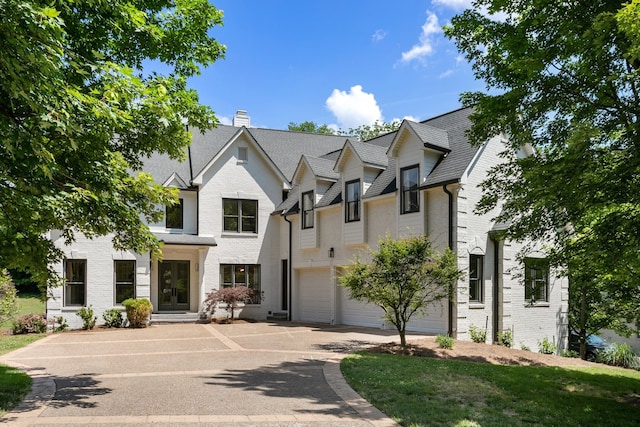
(338, 62)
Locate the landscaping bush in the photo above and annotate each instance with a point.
(524, 347)
(30, 323)
(570, 353)
(88, 319)
(546, 346)
(445, 341)
(619, 355)
(505, 338)
(113, 318)
(232, 297)
(61, 323)
(477, 335)
(138, 311)
(8, 298)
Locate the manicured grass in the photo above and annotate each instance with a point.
(419, 391)
(14, 386)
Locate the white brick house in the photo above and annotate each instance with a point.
(283, 212)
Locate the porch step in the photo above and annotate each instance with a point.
(278, 316)
(181, 317)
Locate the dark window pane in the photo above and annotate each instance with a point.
(230, 206)
(75, 285)
(174, 215)
(231, 224)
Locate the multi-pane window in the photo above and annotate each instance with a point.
(409, 196)
(233, 275)
(307, 209)
(352, 208)
(240, 215)
(125, 278)
(536, 275)
(476, 287)
(75, 288)
(174, 215)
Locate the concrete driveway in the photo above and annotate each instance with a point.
(268, 374)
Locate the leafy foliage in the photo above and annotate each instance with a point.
(620, 355)
(445, 341)
(113, 318)
(563, 82)
(546, 346)
(30, 323)
(310, 127)
(88, 319)
(477, 335)
(366, 132)
(78, 115)
(60, 324)
(404, 277)
(505, 338)
(231, 297)
(138, 311)
(8, 297)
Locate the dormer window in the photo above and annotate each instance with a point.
(307, 209)
(409, 196)
(352, 201)
(174, 215)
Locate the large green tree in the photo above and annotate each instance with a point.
(563, 84)
(403, 277)
(78, 112)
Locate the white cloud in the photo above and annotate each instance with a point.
(410, 118)
(353, 108)
(425, 45)
(378, 35)
(225, 120)
(446, 74)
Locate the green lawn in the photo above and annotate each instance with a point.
(15, 384)
(420, 391)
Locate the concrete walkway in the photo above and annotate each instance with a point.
(267, 374)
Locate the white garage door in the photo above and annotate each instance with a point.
(356, 313)
(314, 295)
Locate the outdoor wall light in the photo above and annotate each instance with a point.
(331, 253)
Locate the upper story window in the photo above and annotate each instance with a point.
(476, 288)
(352, 207)
(75, 287)
(174, 215)
(240, 215)
(536, 280)
(409, 196)
(307, 209)
(125, 278)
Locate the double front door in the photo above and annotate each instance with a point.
(173, 285)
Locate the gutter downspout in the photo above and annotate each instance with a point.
(496, 302)
(290, 267)
(450, 194)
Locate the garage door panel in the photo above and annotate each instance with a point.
(314, 295)
(358, 313)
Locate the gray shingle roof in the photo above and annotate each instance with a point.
(290, 204)
(371, 154)
(385, 183)
(333, 195)
(322, 168)
(431, 136)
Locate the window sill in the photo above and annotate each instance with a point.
(537, 304)
(233, 234)
(71, 308)
(474, 305)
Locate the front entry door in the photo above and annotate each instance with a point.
(173, 285)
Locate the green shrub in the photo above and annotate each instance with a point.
(477, 335)
(30, 323)
(570, 353)
(547, 346)
(88, 319)
(505, 338)
(113, 318)
(524, 347)
(8, 297)
(138, 311)
(61, 323)
(619, 355)
(445, 341)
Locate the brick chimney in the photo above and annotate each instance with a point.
(241, 119)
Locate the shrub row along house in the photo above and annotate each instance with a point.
(284, 212)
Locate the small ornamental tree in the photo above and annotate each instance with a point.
(8, 298)
(232, 297)
(405, 277)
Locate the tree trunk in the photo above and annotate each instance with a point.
(583, 315)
